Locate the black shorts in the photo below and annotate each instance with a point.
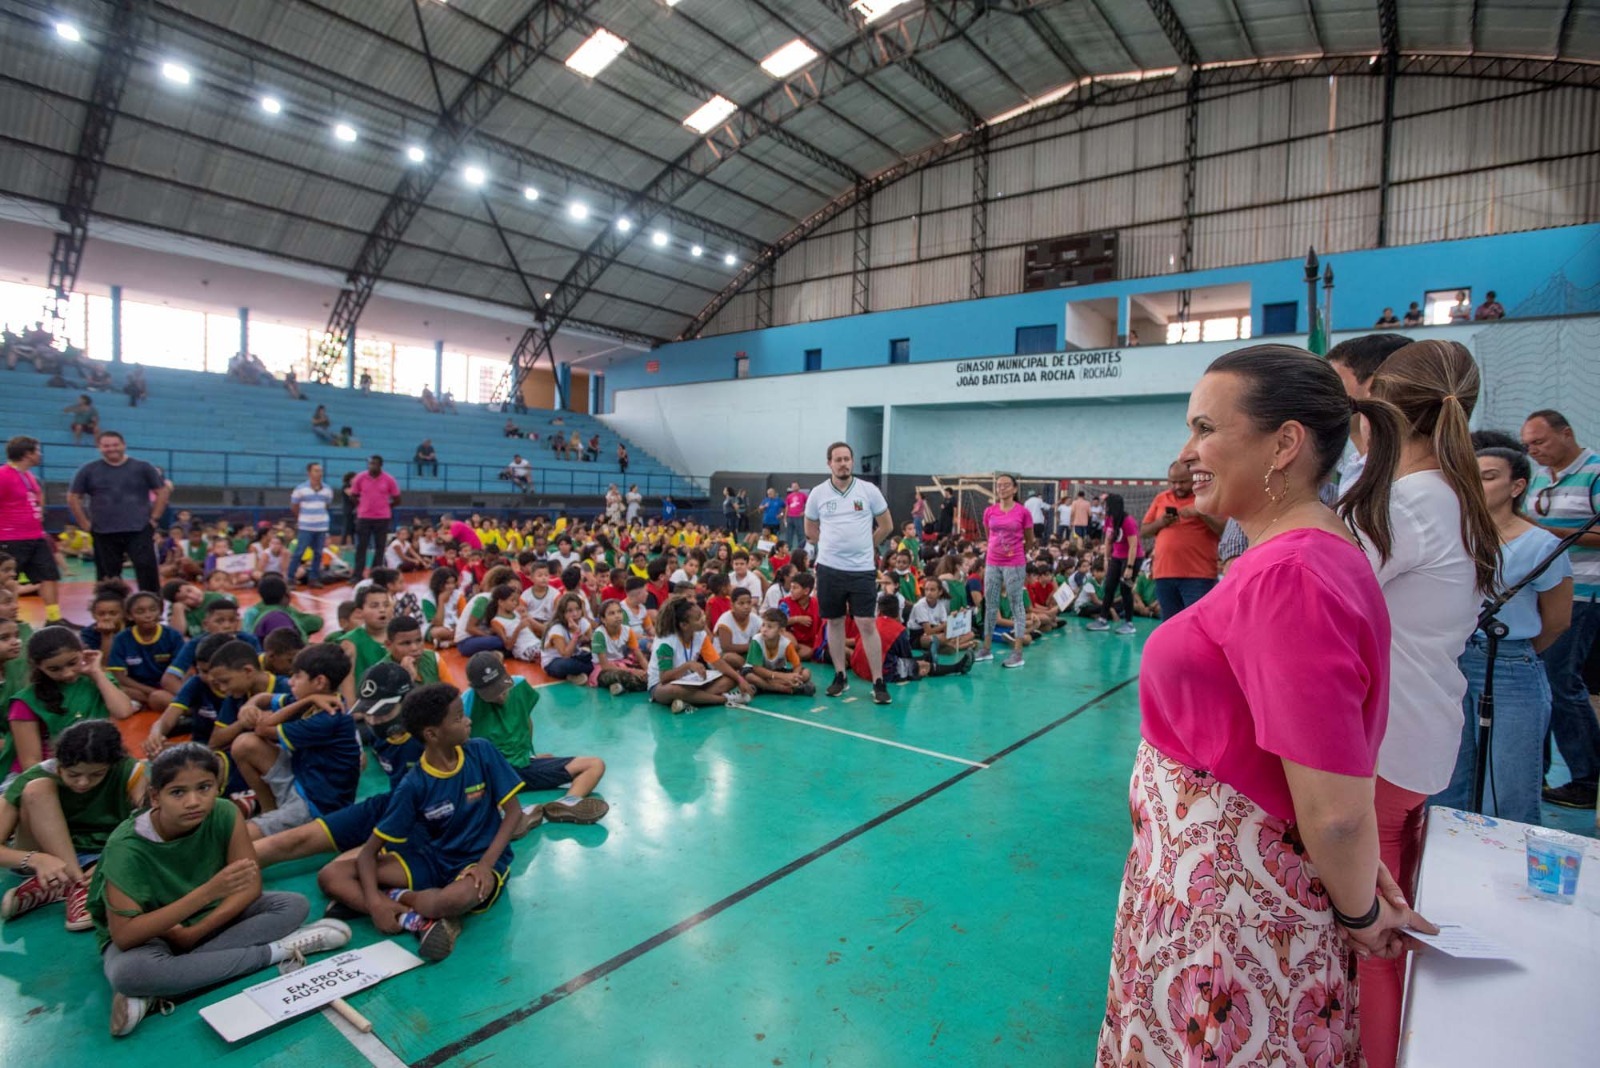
(36, 559)
(841, 593)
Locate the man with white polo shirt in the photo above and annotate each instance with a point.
(309, 502)
(846, 519)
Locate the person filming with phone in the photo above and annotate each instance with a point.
(1184, 563)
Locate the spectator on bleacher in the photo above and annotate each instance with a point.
(622, 458)
(1388, 318)
(85, 419)
(365, 384)
(291, 384)
(447, 403)
(1490, 309)
(591, 454)
(1414, 315)
(426, 457)
(22, 535)
(558, 446)
(511, 430)
(1185, 568)
(634, 499)
(520, 472)
(309, 503)
(1461, 310)
(125, 499)
(135, 386)
(575, 446)
(96, 377)
(376, 493)
(320, 424)
(429, 401)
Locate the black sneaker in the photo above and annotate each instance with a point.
(880, 693)
(839, 684)
(338, 910)
(1572, 795)
(808, 690)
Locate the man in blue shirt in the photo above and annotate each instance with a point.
(309, 502)
(771, 512)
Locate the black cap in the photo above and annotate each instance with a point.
(487, 674)
(381, 690)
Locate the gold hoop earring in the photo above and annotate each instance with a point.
(1266, 484)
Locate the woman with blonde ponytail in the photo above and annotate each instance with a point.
(1436, 555)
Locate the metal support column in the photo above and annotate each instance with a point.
(1389, 31)
(350, 360)
(438, 368)
(861, 266)
(244, 332)
(564, 383)
(764, 286)
(116, 324)
(977, 285)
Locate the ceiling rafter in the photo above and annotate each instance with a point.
(1177, 36)
(1389, 27)
(1564, 30)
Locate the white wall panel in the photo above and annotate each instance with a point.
(948, 185)
(895, 242)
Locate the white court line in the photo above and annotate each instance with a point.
(366, 1043)
(858, 734)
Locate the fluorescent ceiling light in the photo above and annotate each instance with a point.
(415, 153)
(596, 54)
(547, 296)
(873, 10)
(271, 105)
(578, 209)
(345, 132)
(474, 175)
(659, 239)
(176, 72)
(68, 32)
(696, 251)
(711, 114)
(529, 193)
(624, 223)
(730, 259)
(788, 59)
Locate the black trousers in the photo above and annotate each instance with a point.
(138, 546)
(373, 532)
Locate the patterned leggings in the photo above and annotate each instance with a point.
(1011, 579)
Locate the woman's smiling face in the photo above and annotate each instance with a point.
(1227, 456)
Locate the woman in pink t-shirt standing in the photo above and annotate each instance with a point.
(1254, 874)
(1009, 530)
(1123, 549)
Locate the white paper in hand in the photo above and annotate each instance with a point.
(1457, 941)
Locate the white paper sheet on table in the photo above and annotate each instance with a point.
(1461, 942)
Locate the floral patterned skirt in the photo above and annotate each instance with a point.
(1225, 950)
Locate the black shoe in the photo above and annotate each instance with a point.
(1572, 795)
(880, 693)
(338, 910)
(839, 684)
(965, 666)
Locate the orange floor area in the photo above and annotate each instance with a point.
(324, 602)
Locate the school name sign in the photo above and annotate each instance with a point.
(1046, 367)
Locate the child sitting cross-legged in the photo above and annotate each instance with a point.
(177, 901)
(619, 663)
(772, 661)
(280, 647)
(195, 702)
(220, 616)
(898, 663)
(274, 591)
(66, 684)
(443, 845)
(301, 755)
(685, 667)
(566, 653)
(406, 648)
(930, 618)
(106, 610)
(737, 628)
(62, 811)
(500, 706)
(141, 654)
(364, 643)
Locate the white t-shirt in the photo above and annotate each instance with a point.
(1037, 509)
(1064, 514)
(562, 561)
(1429, 586)
(681, 577)
(923, 613)
(576, 643)
(392, 557)
(751, 582)
(845, 521)
(466, 613)
(636, 618)
(773, 597)
(540, 608)
(1086, 594)
(737, 635)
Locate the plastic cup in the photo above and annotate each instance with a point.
(1554, 860)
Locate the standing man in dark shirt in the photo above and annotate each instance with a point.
(125, 499)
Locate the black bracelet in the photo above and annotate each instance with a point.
(1352, 923)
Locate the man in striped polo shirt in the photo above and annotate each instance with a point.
(1565, 495)
(309, 502)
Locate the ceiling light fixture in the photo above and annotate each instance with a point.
(474, 175)
(578, 209)
(529, 193)
(68, 32)
(711, 114)
(596, 53)
(659, 239)
(345, 132)
(624, 223)
(788, 59)
(873, 10)
(415, 153)
(730, 259)
(271, 105)
(176, 73)
(696, 251)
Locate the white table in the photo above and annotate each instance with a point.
(1539, 1007)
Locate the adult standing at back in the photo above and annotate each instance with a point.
(1010, 532)
(847, 518)
(1038, 513)
(794, 516)
(376, 493)
(126, 498)
(22, 534)
(1356, 361)
(771, 512)
(1565, 497)
(1079, 518)
(1436, 559)
(1122, 551)
(634, 499)
(1185, 567)
(310, 502)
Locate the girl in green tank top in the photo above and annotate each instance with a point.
(67, 684)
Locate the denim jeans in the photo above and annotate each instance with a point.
(1516, 747)
(1176, 594)
(794, 531)
(1572, 719)
(315, 540)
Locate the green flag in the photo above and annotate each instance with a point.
(1318, 341)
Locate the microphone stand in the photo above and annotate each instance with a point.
(1494, 631)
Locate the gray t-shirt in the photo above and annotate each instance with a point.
(119, 497)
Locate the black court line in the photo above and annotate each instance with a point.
(661, 938)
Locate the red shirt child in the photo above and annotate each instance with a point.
(804, 633)
(889, 630)
(1041, 592)
(613, 593)
(715, 606)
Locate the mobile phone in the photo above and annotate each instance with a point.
(1173, 512)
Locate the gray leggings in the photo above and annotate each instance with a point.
(1011, 579)
(154, 970)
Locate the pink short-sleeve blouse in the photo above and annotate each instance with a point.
(1287, 659)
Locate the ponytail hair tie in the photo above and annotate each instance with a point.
(1450, 397)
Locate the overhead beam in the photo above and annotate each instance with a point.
(1177, 36)
(1389, 34)
(1564, 30)
(1189, 75)
(1091, 93)
(117, 49)
(515, 52)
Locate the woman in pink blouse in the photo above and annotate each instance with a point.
(1254, 879)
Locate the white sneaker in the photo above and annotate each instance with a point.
(1125, 628)
(982, 655)
(1098, 624)
(126, 1012)
(1013, 661)
(317, 937)
(616, 689)
(738, 697)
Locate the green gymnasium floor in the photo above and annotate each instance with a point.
(763, 892)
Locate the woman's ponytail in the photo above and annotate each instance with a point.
(1365, 506)
(1458, 462)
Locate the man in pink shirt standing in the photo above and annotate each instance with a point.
(22, 522)
(376, 493)
(794, 515)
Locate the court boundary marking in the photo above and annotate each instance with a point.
(867, 737)
(557, 994)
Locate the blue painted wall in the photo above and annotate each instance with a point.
(1514, 265)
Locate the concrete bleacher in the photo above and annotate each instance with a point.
(208, 430)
